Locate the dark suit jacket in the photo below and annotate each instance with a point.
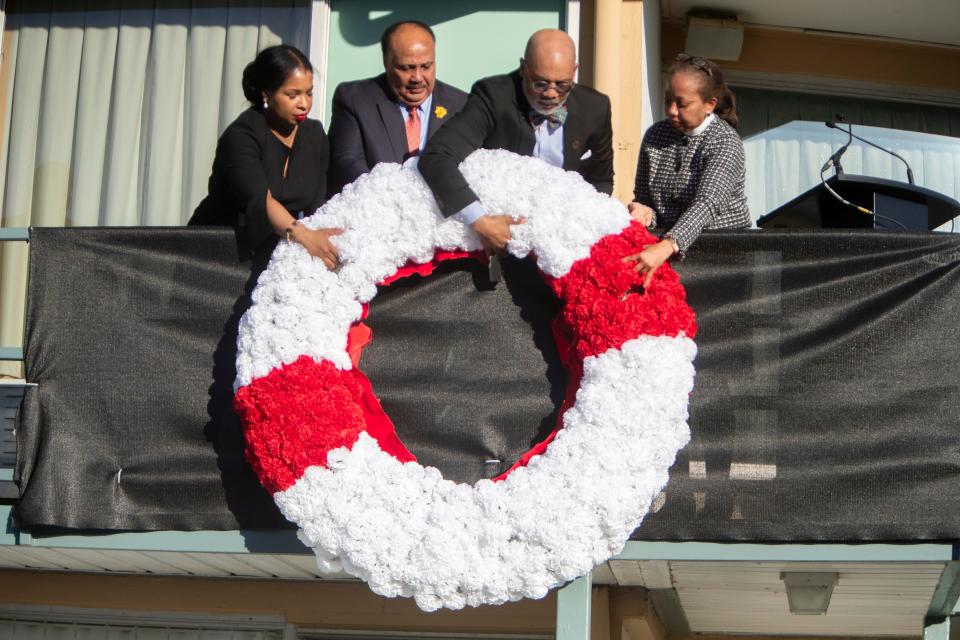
(249, 161)
(497, 117)
(367, 128)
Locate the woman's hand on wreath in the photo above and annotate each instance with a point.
(650, 259)
(317, 243)
(641, 213)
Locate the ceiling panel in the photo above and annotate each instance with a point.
(882, 599)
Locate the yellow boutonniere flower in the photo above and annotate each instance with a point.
(440, 111)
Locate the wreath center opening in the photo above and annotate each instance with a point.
(467, 370)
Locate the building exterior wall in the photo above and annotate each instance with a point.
(632, 615)
(795, 52)
(612, 41)
(474, 39)
(308, 605)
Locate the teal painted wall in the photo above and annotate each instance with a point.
(475, 38)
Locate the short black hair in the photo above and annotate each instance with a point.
(270, 69)
(389, 31)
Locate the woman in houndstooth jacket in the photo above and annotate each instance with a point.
(690, 174)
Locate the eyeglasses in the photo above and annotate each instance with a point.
(696, 62)
(541, 86)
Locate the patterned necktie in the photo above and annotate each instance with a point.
(554, 121)
(412, 125)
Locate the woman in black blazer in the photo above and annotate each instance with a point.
(271, 162)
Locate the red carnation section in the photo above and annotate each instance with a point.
(606, 305)
(299, 412)
(426, 268)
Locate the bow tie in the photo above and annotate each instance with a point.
(554, 121)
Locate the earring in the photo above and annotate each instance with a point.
(265, 105)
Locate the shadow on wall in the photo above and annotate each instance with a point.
(363, 21)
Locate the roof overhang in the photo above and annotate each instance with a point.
(921, 21)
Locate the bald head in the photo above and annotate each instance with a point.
(550, 46)
(548, 67)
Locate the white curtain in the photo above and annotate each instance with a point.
(112, 110)
(785, 161)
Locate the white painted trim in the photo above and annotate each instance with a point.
(572, 26)
(790, 552)
(650, 109)
(843, 87)
(939, 630)
(319, 48)
(93, 616)
(3, 24)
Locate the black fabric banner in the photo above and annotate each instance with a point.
(130, 337)
(825, 406)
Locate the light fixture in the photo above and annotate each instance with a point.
(715, 38)
(809, 593)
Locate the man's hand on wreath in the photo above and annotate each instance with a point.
(650, 259)
(494, 231)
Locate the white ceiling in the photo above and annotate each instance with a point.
(873, 600)
(870, 600)
(933, 21)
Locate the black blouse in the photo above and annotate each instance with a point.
(249, 160)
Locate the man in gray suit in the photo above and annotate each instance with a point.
(389, 118)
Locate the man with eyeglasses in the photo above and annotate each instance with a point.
(537, 111)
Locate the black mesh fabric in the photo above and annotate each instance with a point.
(825, 405)
(130, 337)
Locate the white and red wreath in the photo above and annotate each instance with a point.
(322, 445)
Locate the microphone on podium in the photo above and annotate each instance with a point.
(835, 161)
(835, 158)
(851, 136)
